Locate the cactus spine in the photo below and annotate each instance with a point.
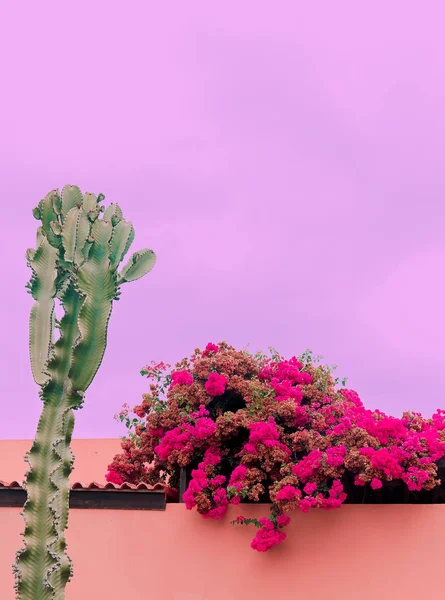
(76, 261)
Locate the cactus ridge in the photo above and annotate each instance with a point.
(75, 261)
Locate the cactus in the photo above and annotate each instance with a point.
(76, 261)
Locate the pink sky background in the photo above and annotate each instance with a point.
(285, 160)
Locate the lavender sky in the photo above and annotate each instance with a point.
(285, 160)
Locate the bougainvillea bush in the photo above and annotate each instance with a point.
(262, 428)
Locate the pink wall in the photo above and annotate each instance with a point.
(354, 553)
(90, 464)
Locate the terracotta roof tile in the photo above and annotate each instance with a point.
(172, 495)
(13, 484)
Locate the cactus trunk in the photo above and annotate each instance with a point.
(42, 567)
(75, 261)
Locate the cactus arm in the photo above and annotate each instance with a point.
(76, 229)
(113, 213)
(97, 284)
(139, 264)
(41, 323)
(91, 205)
(89, 202)
(57, 202)
(71, 197)
(50, 223)
(121, 240)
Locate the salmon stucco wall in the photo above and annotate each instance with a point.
(358, 552)
(90, 464)
(353, 553)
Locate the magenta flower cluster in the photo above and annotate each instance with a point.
(267, 429)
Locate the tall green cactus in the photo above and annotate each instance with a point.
(76, 261)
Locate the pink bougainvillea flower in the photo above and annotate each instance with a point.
(376, 484)
(309, 465)
(310, 488)
(217, 481)
(283, 520)
(113, 477)
(210, 349)
(204, 428)
(202, 412)
(215, 513)
(415, 478)
(216, 384)
(287, 493)
(267, 538)
(181, 378)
